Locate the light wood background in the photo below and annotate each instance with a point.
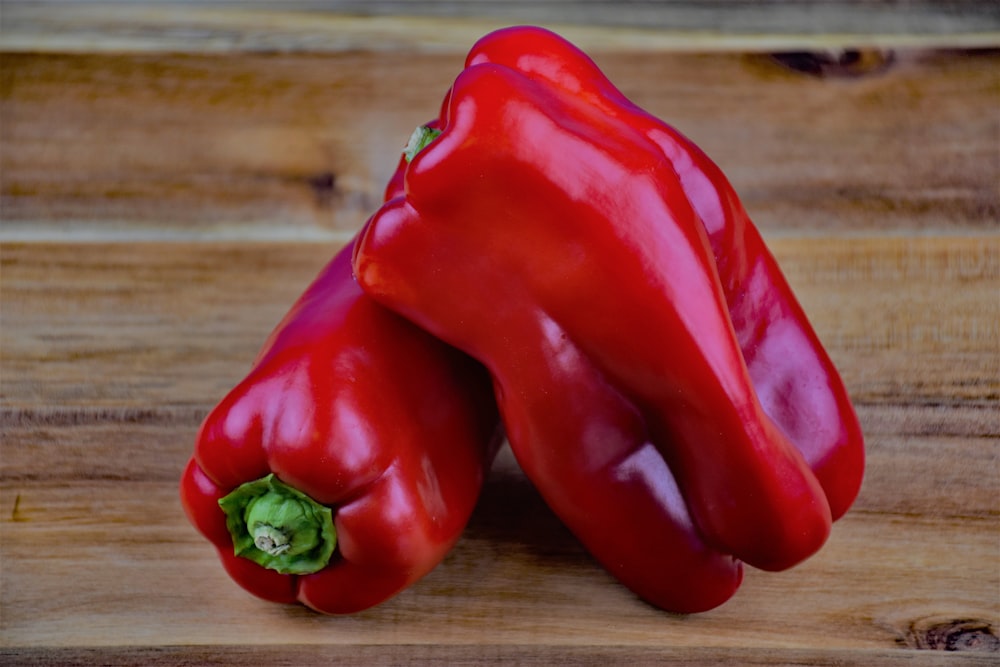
(173, 174)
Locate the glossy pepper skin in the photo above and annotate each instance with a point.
(618, 351)
(388, 431)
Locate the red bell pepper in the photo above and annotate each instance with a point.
(795, 380)
(621, 356)
(345, 465)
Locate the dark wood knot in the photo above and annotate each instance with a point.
(843, 63)
(324, 188)
(956, 635)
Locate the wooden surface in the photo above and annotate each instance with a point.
(167, 188)
(451, 25)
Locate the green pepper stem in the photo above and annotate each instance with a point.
(419, 140)
(270, 540)
(279, 527)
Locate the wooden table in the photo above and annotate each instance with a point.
(173, 176)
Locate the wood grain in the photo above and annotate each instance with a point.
(445, 25)
(173, 174)
(516, 577)
(480, 654)
(908, 320)
(298, 146)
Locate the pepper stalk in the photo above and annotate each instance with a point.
(419, 140)
(279, 527)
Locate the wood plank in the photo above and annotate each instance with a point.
(338, 25)
(923, 461)
(418, 655)
(888, 578)
(278, 146)
(516, 577)
(907, 319)
(141, 326)
(122, 326)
